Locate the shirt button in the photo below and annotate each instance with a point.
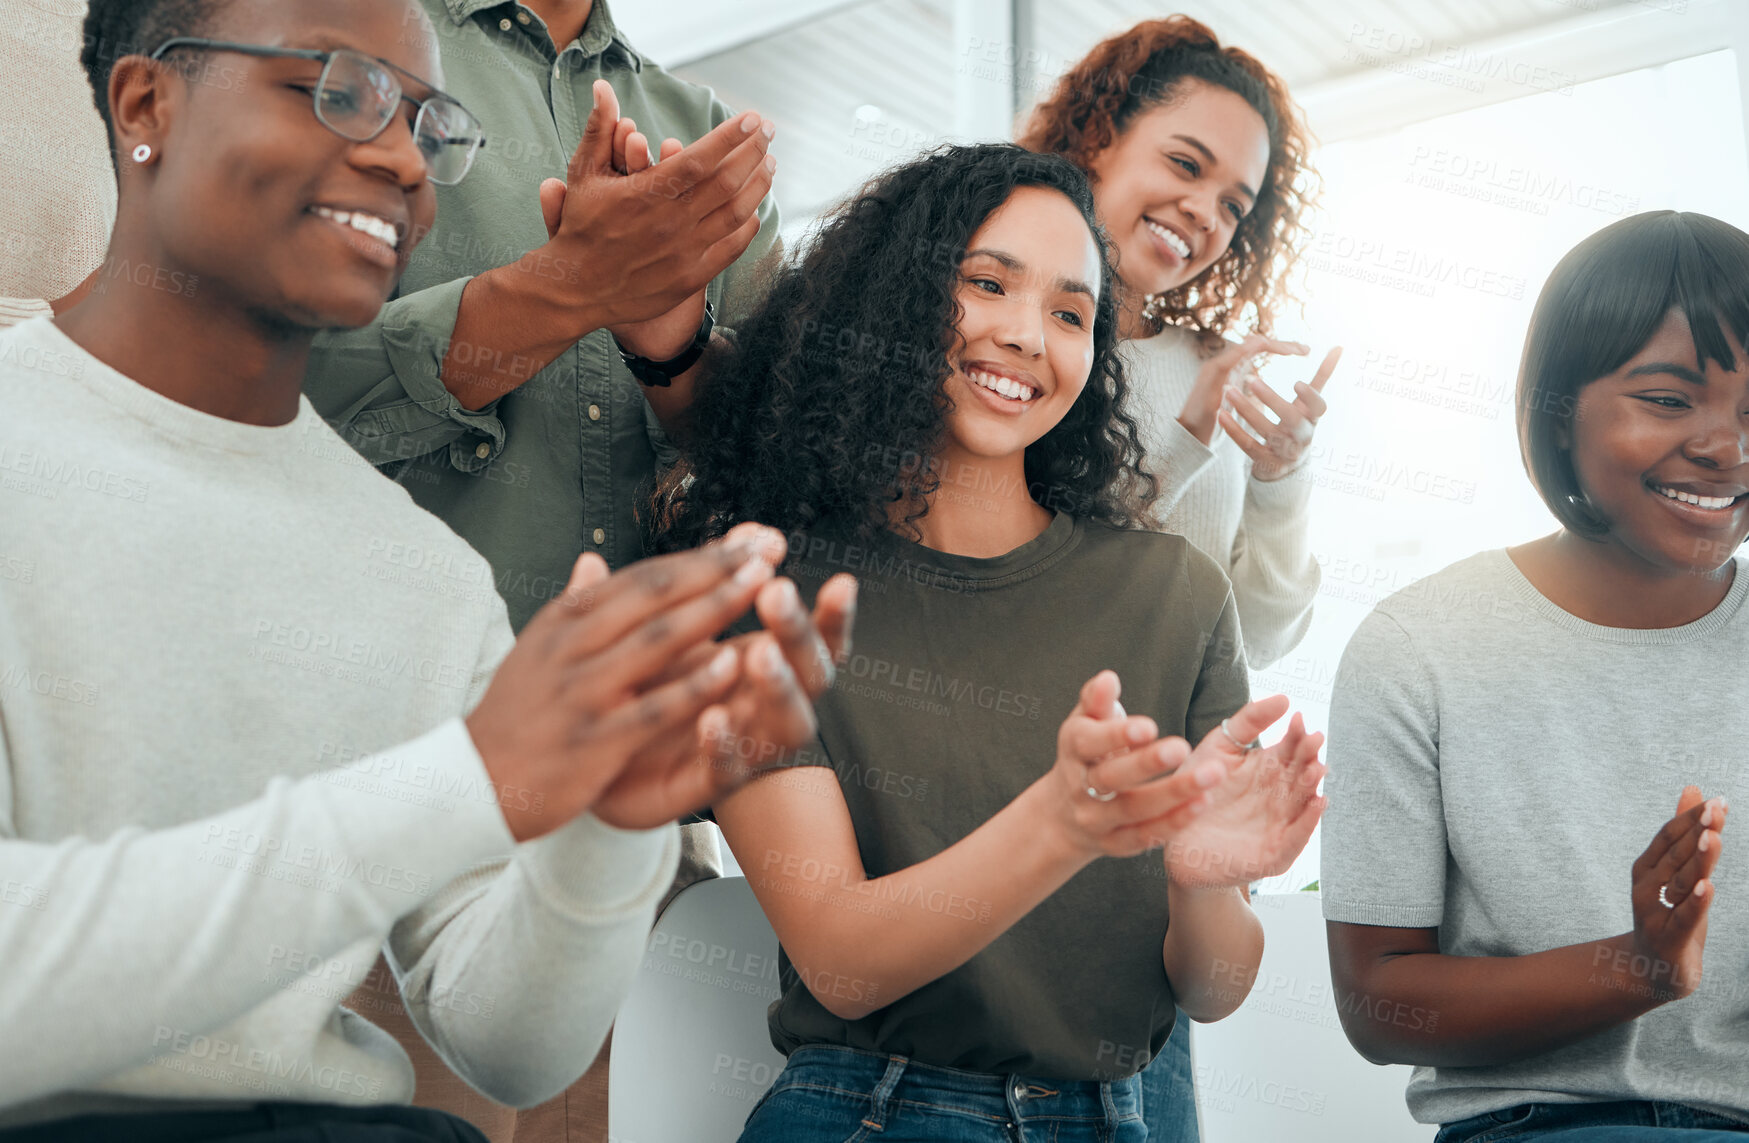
(600, 536)
(504, 25)
(483, 451)
(595, 412)
(522, 18)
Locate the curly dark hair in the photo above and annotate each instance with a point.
(117, 28)
(830, 408)
(1146, 67)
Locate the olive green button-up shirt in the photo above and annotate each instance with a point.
(563, 464)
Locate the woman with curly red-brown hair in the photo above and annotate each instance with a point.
(1198, 160)
(1200, 174)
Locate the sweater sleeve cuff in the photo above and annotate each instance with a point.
(1178, 455)
(588, 869)
(14, 311)
(1287, 496)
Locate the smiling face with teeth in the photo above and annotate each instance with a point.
(1028, 296)
(1173, 186)
(256, 197)
(1660, 448)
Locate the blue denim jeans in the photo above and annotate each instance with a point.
(841, 1095)
(1169, 1090)
(1626, 1121)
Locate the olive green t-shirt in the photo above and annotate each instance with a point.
(947, 709)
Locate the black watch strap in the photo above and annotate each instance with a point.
(661, 374)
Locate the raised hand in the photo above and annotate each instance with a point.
(1260, 817)
(586, 690)
(1679, 862)
(1276, 445)
(1121, 789)
(652, 238)
(1214, 375)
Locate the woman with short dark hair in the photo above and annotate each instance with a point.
(1511, 730)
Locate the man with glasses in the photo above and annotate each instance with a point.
(356, 97)
(523, 382)
(244, 745)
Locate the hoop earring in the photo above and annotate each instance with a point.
(142, 153)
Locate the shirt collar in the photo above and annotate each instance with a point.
(599, 33)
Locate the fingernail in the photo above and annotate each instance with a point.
(748, 122)
(722, 663)
(770, 661)
(752, 572)
(770, 164)
(770, 128)
(1703, 841)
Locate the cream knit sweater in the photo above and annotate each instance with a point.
(1255, 529)
(57, 186)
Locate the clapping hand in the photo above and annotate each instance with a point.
(1121, 789)
(1673, 894)
(722, 178)
(765, 717)
(1259, 818)
(1276, 446)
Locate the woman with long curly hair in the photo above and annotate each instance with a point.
(1198, 160)
(975, 938)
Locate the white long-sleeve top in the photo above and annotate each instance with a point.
(1255, 529)
(57, 185)
(233, 665)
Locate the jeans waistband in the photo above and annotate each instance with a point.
(893, 1078)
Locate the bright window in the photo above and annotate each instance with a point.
(1431, 248)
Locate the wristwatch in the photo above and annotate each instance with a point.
(661, 374)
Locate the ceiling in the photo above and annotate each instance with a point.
(865, 83)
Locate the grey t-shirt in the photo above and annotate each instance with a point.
(1496, 766)
(948, 709)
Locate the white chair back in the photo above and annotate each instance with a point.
(1281, 1067)
(691, 1054)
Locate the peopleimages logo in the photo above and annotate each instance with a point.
(231, 847)
(228, 1056)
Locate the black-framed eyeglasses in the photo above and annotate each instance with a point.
(357, 97)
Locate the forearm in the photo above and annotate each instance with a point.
(1455, 1011)
(122, 938)
(672, 403)
(1275, 575)
(1213, 947)
(514, 972)
(512, 323)
(861, 944)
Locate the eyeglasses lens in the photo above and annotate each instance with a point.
(358, 97)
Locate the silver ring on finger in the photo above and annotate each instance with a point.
(1662, 899)
(1234, 739)
(1092, 791)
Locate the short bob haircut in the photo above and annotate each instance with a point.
(1601, 304)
